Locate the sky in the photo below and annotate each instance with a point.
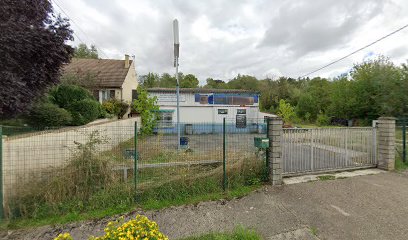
(220, 39)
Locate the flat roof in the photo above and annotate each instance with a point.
(200, 90)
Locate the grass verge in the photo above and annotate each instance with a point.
(146, 204)
(239, 233)
(399, 164)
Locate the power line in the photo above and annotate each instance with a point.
(358, 50)
(72, 20)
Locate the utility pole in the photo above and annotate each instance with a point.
(176, 65)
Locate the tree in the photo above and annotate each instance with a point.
(215, 84)
(82, 51)
(189, 81)
(167, 81)
(147, 108)
(33, 50)
(150, 80)
(286, 112)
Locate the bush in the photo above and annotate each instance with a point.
(322, 119)
(115, 107)
(65, 95)
(139, 228)
(48, 115)
(84, 111)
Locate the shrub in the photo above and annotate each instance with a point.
(65, 94)
(139, 228)
(48, 115)
(322, 119)
(84, 111)
(115, 107)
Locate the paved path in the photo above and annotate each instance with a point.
(362, 207)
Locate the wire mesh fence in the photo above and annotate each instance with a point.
(57, 172)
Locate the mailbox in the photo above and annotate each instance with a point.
(261, 142)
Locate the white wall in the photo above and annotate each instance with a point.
(27, 154)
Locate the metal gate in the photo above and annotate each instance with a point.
(326, 149)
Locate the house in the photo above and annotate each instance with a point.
(200, 106)
(107, 78)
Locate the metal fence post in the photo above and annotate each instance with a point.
(135, 157)
(1, 174)
(224, 155)
(404, 140)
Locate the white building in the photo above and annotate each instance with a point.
(209, 106)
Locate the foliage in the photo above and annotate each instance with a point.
(322, 119)
(86, 173)
(286, 112)
(82, 51)
(138, 228)
(215, 84)
(239, 233)
(32, 52)
(115, 107)
(147, 108)
(64, 236)
(45, 114)
(64, 95)
(189, 81)
(84, 111)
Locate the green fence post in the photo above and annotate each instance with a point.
(135, 157)
(224, 155)
(1, 174)
(404, 140)
(267, 151)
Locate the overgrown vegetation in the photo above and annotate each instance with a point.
(88, 186)
(239, 233)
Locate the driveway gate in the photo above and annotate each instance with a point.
(325, 149)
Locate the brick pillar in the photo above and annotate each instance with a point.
(386, 143)
(275, 150)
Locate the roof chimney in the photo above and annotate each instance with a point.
(126, 61)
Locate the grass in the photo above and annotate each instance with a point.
(314, 231)
(399, 164)
(239, 233)
(326, 177)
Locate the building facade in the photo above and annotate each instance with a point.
(209, 106)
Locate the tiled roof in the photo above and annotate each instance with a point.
(200, 90)
(105, 72)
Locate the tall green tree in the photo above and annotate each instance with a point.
(189, 81)
(82, 51)
(150, 80)
(33, 50)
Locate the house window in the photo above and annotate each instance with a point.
(241, 111)
(165, 119)
(106, 95)
(222, 111)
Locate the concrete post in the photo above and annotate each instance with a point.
(386, 143)
(275, 151)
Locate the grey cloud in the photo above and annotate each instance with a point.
(303, 27)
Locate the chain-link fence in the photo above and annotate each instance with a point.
(57, 172)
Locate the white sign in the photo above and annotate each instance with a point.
(170, 98)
